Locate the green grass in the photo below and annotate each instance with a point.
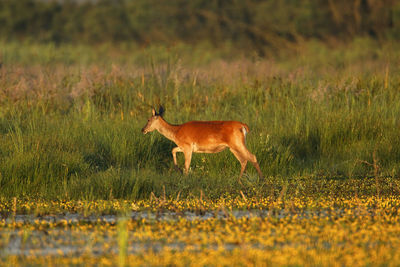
(70, 125)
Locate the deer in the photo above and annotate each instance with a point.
(204, 137)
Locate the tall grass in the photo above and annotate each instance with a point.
(71, 129)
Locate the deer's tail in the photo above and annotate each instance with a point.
(245, 130)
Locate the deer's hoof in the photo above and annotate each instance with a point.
(177, 169)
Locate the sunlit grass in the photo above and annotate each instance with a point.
(71, 130)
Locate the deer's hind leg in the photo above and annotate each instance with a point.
(246, 155)
(241, 159)
(252, 158)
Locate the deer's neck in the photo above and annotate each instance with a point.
(168, 130)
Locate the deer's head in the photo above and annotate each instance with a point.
(153, 122)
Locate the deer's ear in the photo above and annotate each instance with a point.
(161, 112)
(153, 111)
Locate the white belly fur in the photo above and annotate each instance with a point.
(208, 149)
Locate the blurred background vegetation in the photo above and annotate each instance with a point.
(254, 25)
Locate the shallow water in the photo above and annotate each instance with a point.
(74, 218)
(60, 240)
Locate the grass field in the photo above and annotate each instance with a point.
(70, 117)
(324, 126)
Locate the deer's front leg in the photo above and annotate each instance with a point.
(188, 159)
(174, 150)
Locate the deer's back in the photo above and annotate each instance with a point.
(205, 132)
